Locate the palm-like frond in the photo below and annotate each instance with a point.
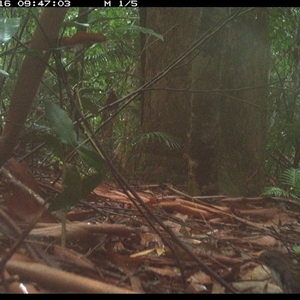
(158, 138)
(275, 192)
(110, 56)
(290, 179)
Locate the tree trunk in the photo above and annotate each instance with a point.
(204, 119)
(243, 114)
(166, 107)
(226, 130)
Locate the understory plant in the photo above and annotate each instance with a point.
(289, 185)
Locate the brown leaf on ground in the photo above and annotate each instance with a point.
(111, 246)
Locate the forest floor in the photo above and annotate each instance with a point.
(112, 246)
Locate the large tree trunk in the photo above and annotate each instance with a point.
(226, 129)
(204, 119)
(44, 38)
(245, 69)
(165, 108)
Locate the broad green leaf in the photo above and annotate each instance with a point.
(8, 28)
(91, 158)
(61, 124)
(3, 73)
(71, 193)
(90, 182)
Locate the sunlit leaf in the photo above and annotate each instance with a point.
(296, 249)
(3, 73)
(8, 28)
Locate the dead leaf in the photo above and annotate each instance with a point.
(217, 288)
(81, 40)
(256, 287)
(142, 253)
(200, 278)
(166, 271)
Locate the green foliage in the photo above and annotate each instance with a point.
(290, 185)
(296, 249)
(89, 75)
(3, 73)
(91, 158)
(275, 192)
(74, 187)
(291, 178)
(8, 28)
(89, 183)
(61, 124)
(283, 146)
(53, 143)
(72, 192)
(156, 138)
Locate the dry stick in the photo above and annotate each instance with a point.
(24, 234)
(12, 230)
(195, 198)
(61, 281)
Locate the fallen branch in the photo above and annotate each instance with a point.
(61, 281)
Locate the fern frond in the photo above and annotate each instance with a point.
(275, 192)
(156, 137)
(291, 178)
(118, 54)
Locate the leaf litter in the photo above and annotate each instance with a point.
(111, 248)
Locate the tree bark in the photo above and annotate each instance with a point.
(204, 118)
(223, 131)
(243, 106)
(166, 107)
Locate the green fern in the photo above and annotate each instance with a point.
(156, 137)
(291, 178)
(275, 191)
(290, 182)
(107, 57)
